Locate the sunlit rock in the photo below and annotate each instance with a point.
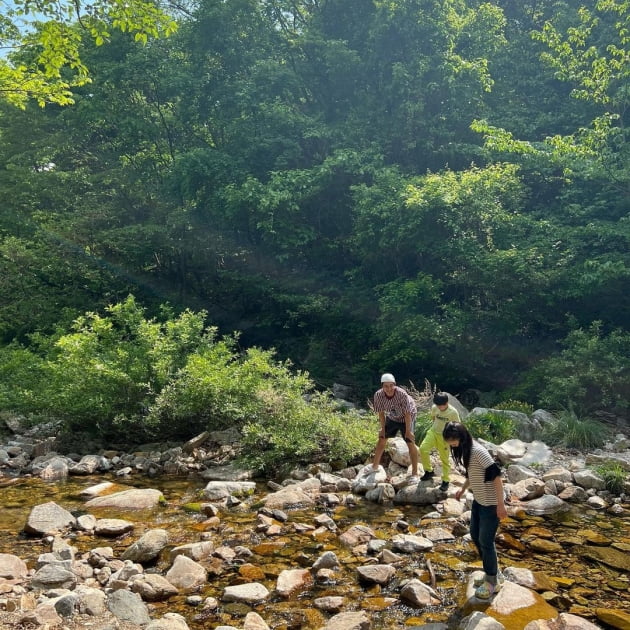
(349, 621)
(170, 621)
(148, 547)
(134, 499)
(514, 606)
(112, 527)
(547, 504)
(292, 580)
(47, 518)
(376, 573)
(186, 574)
(252, 593)
(418, 594)
(12, 567)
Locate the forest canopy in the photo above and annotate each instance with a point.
(439, 190)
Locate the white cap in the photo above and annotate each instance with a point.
(388, 378)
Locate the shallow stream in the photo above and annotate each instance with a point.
(581, 584)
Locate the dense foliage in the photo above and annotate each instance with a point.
(127, 379)
(440, 190)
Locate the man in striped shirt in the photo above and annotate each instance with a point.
(396, 413)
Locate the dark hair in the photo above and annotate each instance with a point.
(461, 453)
(440, 398)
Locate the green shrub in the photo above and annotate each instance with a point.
(492, 427)
(571, 431)
(423, 424)
(614, 476)
(297, 431)
(591, 371)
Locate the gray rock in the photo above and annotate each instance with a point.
(48, 518)
(148, 547)
(128, 606)
(170, 621)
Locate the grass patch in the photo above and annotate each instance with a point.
(573, 431)
(492, 427)
(614, 476)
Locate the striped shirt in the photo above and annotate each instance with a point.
(483, 491)
(396, 406)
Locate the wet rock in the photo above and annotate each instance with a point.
(86, 523)
(252, 593)
(356, 535)
(327, 560)
(514, 606)
(418, 495)
(195, 551)
(608, 555)
(349, 621)
(148, 547)
(136, 499)
(438, 534)
(90, 464)
(293, 580)
(218, 490)
(480, 621)
(112, 527)
(96, 490)
(545, 546)
(418, 595)
(48, 518)
(55, 469)
(331, 604)
(302, 494)
(616, 618)
(186, 574)
(376, 573)
(564, 621)
(253, 621)
(535, 580)
(383, 493)
(408, 543)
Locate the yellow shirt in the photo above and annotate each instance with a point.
(440, 418)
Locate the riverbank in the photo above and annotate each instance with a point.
(390, 553)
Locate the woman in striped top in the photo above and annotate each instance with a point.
(483, 477)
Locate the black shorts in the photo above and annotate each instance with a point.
(392, 428)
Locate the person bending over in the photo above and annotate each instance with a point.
(396, 413)
(441, 413)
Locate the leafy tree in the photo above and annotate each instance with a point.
(46, 36)
(590, 373)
